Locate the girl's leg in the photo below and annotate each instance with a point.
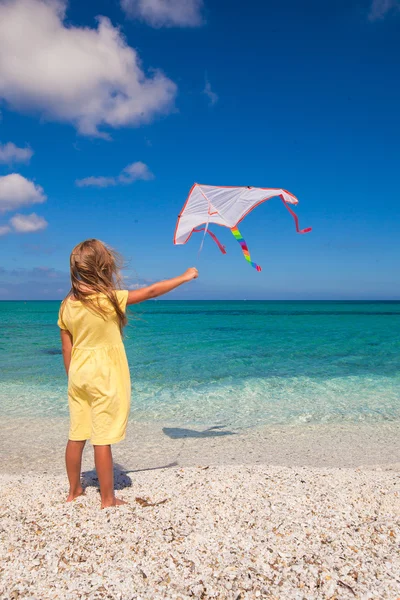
(73, 462)
(104, 467)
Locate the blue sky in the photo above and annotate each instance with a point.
(299, 95)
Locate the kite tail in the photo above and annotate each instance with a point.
(245, 250)
(295, 218)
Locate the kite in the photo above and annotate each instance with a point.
(226, 206)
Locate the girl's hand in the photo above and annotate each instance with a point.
(190, 274)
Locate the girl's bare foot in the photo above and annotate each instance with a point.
(75, 493)
(113, 502)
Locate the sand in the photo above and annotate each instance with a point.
(209, 532)
(38, 445)
(263, 514)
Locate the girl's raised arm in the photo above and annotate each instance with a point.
(162, 287)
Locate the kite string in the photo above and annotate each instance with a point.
(206, 227)
(202, 242)
(204, 237)
(213, 237)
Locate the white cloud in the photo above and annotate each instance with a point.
(133, 172)
(135, 286)
(28, 223)
(16, 191)
(10, 153)
(380, 8)
(134, 282)
(4, 229)
(96, 182)
(165, 13)
(88, 77)
(212, 96)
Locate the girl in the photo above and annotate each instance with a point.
(91, 320)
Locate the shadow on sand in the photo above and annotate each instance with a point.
(121, 474)
(121, 477)
(177, 433)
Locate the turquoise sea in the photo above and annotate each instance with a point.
(241, 364)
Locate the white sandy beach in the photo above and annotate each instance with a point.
(230, 527)
(218, 532)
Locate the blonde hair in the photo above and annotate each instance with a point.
(95, 268)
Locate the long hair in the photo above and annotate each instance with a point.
(96, 269)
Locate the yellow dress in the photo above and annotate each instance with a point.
(99, 386)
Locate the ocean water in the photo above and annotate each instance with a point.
(238, 364)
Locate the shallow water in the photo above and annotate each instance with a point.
(237, 364)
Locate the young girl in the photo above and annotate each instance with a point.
(91, 320)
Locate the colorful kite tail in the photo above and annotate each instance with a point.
(245, 250)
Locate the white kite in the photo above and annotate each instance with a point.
(226, 206)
